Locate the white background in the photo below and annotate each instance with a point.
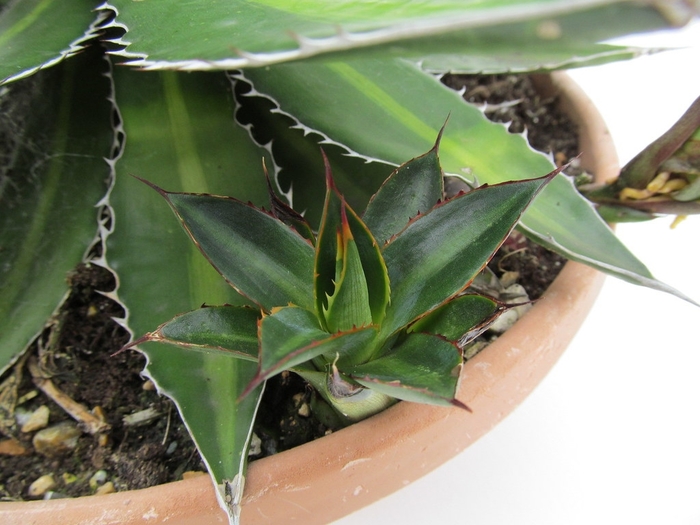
(612, 435)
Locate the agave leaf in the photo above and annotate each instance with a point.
(348, 307)
(234, 34)
(427, 365)
(49, 187)
(261, 257)
(299, 169)
(206, 389)
(337, 215)
(460, 317)
(439, 253)
(30, 38)
(212, 329)
(413, 188)
(291, 335)
(386, 101)
(181, 134)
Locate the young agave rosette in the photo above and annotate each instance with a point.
(370, 309)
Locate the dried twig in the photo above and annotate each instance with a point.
(87, 419)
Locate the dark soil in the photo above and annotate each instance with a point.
(77, 352)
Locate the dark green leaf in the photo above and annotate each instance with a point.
(205, 389)
(213, 329)
(413, 188)
(424, 368)
(291, 335)
(373, 266)
(57, 131)
(459, 317)
(439, 253)
(261, 257)
(32, 38)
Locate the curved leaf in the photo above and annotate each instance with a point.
(212, 329)
(31, 38)
(379, 108)
(353, 408)
(424, 368)
(206, 389)
(413, 188)
(460, 317)
(229, 34)
(260, 256)
(56, 140)
(439, 253)
(291, 336)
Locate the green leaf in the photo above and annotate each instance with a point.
(460, 318)
(424, 368)
(31, 38)
(373, 267)
(212, 329)
(299, 168)
(205, 389)
(348, 307)
(57, 130)
(236, 33)
(180, 133)
(260, 256)
(389, 109)
(439, 253)
(291, 336)
(413, 188)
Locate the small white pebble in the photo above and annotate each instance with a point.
(255, 447)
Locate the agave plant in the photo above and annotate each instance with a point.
(212, 87)
(369, 309)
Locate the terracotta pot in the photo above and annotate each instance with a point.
(333, 476)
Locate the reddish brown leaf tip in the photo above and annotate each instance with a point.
(456, 402)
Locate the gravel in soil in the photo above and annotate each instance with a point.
(76, 353)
